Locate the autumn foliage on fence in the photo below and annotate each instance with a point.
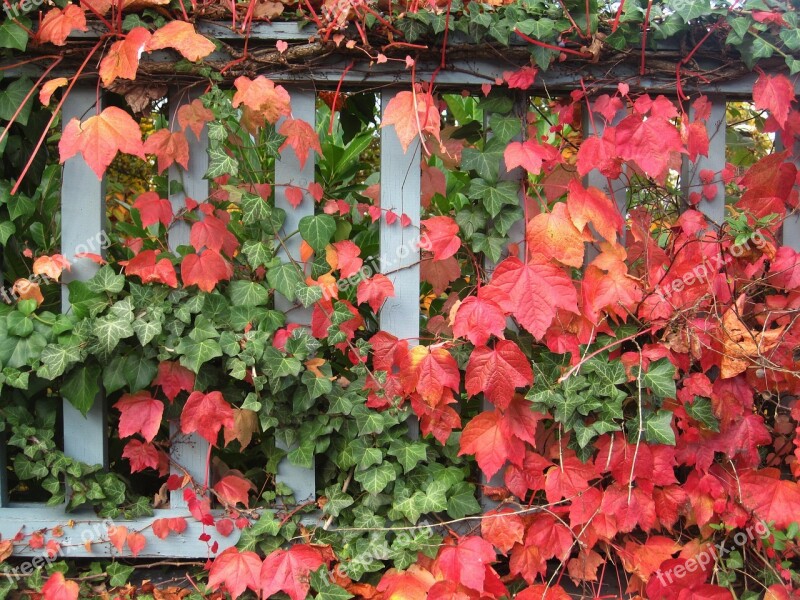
(625, 381)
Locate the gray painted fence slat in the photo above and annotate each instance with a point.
(399, 246)
(715, 161)
(791, 225)
(82, 218)
(189, 452)
(288, 172)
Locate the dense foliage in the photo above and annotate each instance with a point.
(605, 383)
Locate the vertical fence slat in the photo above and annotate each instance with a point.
(82, 218)
(715, 161)
(4, 473)
(399, 246)
(288, 172)
(188, 451)
(791, 224)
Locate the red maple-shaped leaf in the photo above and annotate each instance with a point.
(553, 235)
(99, 138)
(412, 584)
(600, 153)
(345, 258)
(521, 79)
(169, 147)
(288, 571)
(440, 236)
(233, 489)
(543, 592)
(173, 378)
(530, 156)
(141, 455)
(428, 372)
(236, 571)
(775, 94)
(553, 539)
(58, 24)
(440, 273)
(263, 96)
(181, 36)
(769, 497)
(153, 209)
(58, 588)
(485, 437)
(502, 528)
(122, 58)
(520, 420)
(194, 116)
(301, 137)
(651, 143)
(150, 269)
(206, 414)
(212, 233)
(535, 291)
(611, 290)
(593, 206)
(497, 372)
(140, 413)
(375, 291)
(478, 318)
(568, 479)
(205, 270)
(412, 113)
(466, 562)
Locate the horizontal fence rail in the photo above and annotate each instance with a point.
(83, 210)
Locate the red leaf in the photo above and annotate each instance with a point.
(600, 153)
(412, 113)
(122, 59)
(263, 96)
(553, 235)
(607, 106)
(440, 273)
(520, 420)
(153, 209)
(440, 236)
(412, 584)
(301, 137)
(478, 318)
(213, 233)
(173, 378)
(466, 562)
(294, 195)
(774, 94)
(346, 258)
(236, 571)
(141, 413)
(194, 116)
(161, 528)
(206, 414)
(375, 291)
(136, 542)
(651, 143)
(543, 592)
(141, 455)
(553, 539)
(58, 588)
(484, 437)
(117, 534)
(169, 147)
(769, 497)
(522, 79)
(232, 489)
(568, 479)
(144, 266)
(181, 36)
(57, 24)
(99, 138)
(593, 206)
(205, 270)
(529, 155)
(535, 292)
(502, 528)
(288, 571)
(497, 372)
(428, 372)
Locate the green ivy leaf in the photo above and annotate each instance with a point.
(195, 354)
(248, 293)
(285, 278)
(13, 33)
(658, 428)
(317, 230)
(660, 377)
(375, 479)
(702, 410)
(82, 387)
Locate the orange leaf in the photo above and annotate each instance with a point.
(51, 86)
(263, 96)
(233, 489)
(99, 138)
(484, 437)
(169, 147)
(136, 542)
(145, 266)
(57, 24)
(182, 37)
(122, 59)
(6, 549)
(57, 588)
(554, 236)
(237, 571)
(25, 289)
(194, 116)
(497, 372)
(205, 270)
(593, 206)
(50, 266)
(117, 534)
(412, 113)
(301, 137)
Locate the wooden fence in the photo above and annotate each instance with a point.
(83, 210)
